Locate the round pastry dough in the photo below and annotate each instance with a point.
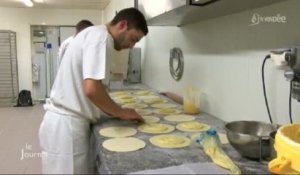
(163, 105)
(167, 111)
(150, 119)
(222, 136)
(135, 105)
(192, 126)
(143, 111)
(126, 101)
(156, 128)
(125, 97)
(117, 131)
(119, 93)
(170, 141)
(154, 100)
(123, 144)
(148, 97)
(143, 92)
(179, 118)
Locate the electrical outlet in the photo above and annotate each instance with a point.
(279, 58)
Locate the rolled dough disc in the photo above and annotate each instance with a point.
(163, 105)
(170, 141)
(123, 144)
(223, 138)
(119, 93)
(154, 100)
(192, 126)
(143, 111)
(117, 131)
(179, 118)
(148, 97)
(125, 97)
(156, 128)
(167, 111)
(125, 101)
(135, 105)
(143, 92)
(150, 119)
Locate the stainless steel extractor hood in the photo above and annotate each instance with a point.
(180, 12)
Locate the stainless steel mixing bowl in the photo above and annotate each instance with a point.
(250, 138)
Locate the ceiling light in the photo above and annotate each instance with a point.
(28, 3)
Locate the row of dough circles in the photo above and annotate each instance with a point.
(139, 93)
(171, 118)
(123, 143)
(166, 111)
(166, 106)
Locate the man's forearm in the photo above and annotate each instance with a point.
(96, 92)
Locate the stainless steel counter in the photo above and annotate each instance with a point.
(152, 157)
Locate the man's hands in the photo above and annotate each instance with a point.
(95, 91)
(130, 114)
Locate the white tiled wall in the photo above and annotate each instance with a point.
(223, 57)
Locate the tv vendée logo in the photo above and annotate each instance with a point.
(257, 19)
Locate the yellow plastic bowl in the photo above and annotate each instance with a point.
(287, 146)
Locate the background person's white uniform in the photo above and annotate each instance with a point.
(64, 133)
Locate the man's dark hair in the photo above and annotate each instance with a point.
(83, 24)
(134, 18)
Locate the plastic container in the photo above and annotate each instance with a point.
(191, 101)
(287, 146)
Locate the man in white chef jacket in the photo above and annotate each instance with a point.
(64, 45)
(78, 95)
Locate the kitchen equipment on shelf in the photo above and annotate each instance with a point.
(191, 100)
(250, 138)
(287, 146)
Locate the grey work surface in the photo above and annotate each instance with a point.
(152, 157)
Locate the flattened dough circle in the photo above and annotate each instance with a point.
(123, 144)
(117, 131)
(143, 111)
(119, 93)
(163, 105)
(192, 126)
(156, 128)
(170, 141)
(179, 118)
(154, 100)
(167, 111)
(150, 119)
(135, 105)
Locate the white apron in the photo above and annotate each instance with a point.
(65, 143)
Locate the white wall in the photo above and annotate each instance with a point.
(115, 6)
(223, 57)
(20, 19)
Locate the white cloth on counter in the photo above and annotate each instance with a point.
(190, 168)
